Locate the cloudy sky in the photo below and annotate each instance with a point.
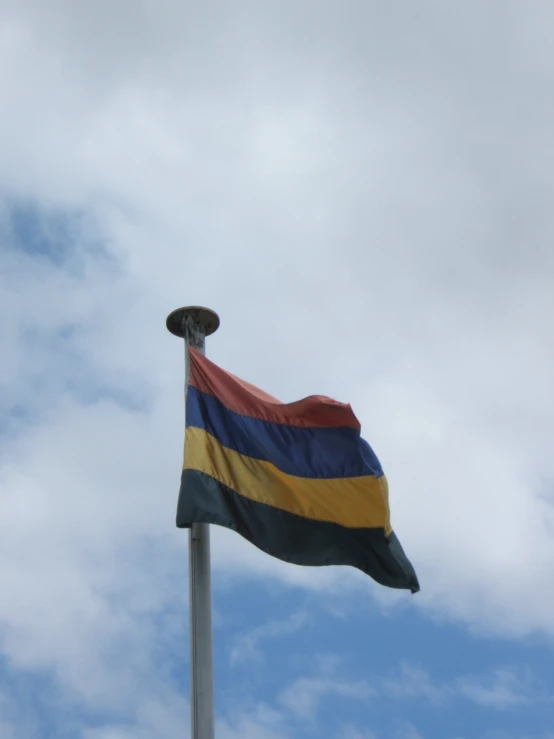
(363, 191)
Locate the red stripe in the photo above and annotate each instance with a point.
(242, 397)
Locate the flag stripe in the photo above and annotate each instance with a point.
(241, 397)
(351, 501)
(295, 450)
(293, 538)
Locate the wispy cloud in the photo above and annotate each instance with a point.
(504, 689)
(154, 717)
(303, 697)
(500, 689)
(246, 727)
(16, 722)
(246, 647)
(408, 731)
(501, 734)
(415, 682)
(349, 731)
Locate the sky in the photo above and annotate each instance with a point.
(363, 192)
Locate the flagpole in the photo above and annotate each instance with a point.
(193, 324)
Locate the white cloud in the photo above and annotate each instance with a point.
(408, 731)
(414, 682)
(370, 221)
(247, 728)
(500, 689)
(508, 735)
(303, 697)
(504, 688)
(161, 716)
(246, 647)
(354, 732)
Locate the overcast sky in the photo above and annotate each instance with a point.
(363, 191)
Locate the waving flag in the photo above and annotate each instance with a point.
(295, 479)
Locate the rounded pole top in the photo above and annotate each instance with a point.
(208, 319)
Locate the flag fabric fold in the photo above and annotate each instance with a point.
(295, 479)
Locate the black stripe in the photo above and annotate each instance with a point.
(294, 539)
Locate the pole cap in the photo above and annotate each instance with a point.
(208, 319)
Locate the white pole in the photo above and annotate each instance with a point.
(194, 324)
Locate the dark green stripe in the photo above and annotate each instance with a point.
(296, 450)
(294, 539)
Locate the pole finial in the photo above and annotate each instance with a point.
(208, 319)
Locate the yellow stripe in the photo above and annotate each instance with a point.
(355, 502)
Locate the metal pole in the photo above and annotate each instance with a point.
(194, 324)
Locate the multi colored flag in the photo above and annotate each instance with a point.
(295, 479)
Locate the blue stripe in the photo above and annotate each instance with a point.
(305, 452)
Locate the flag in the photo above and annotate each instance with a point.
(295, 479)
